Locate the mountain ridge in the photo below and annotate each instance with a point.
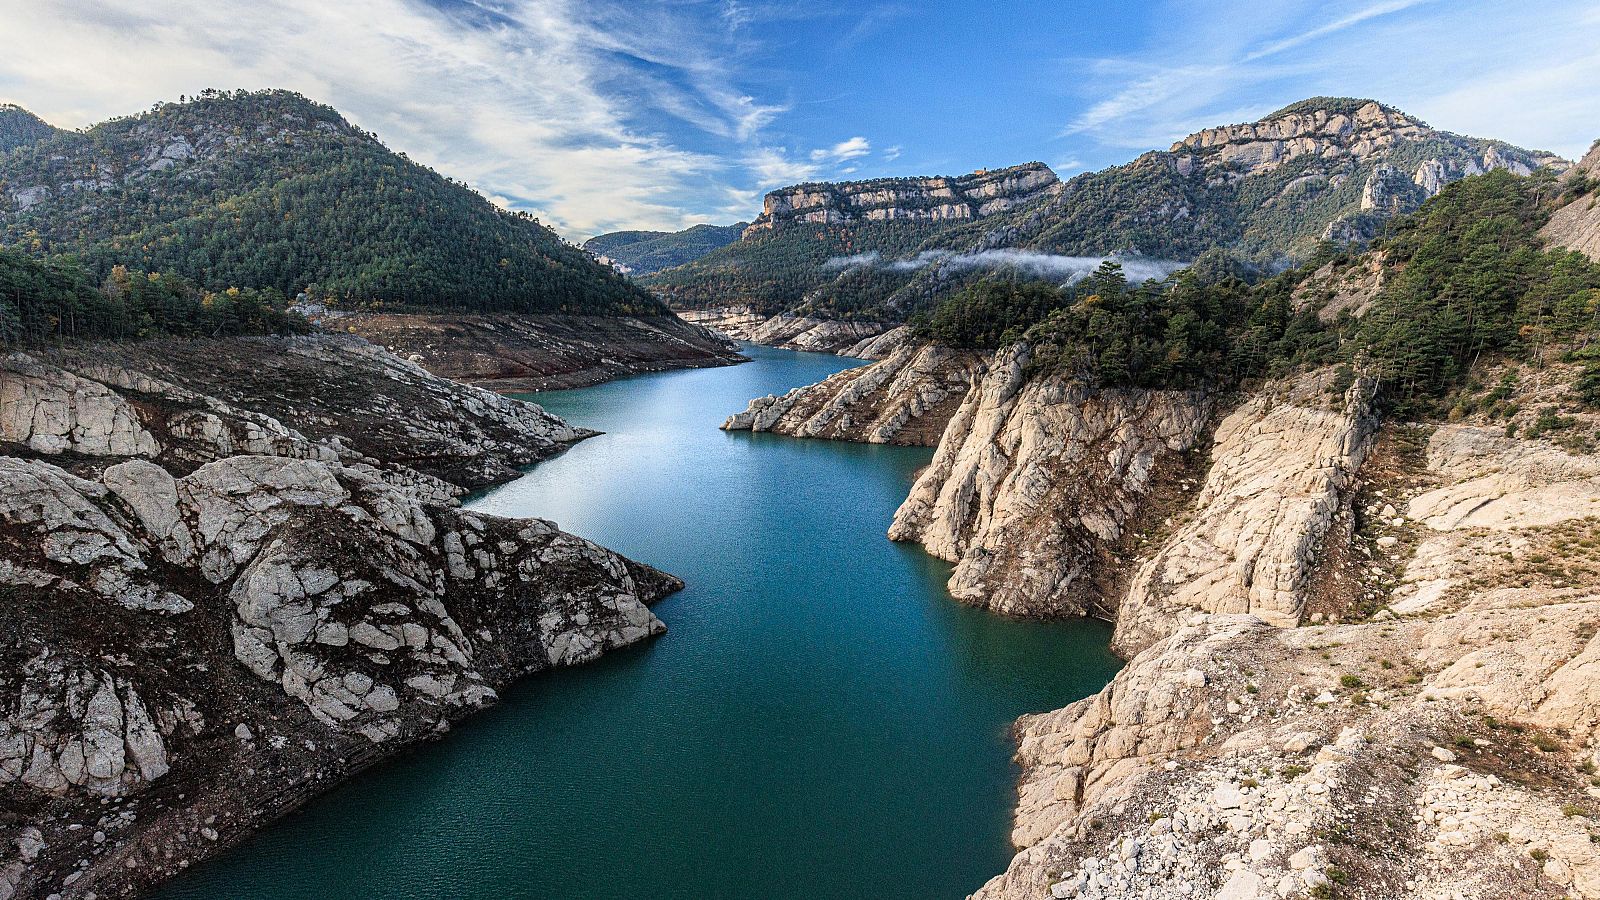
(271, 189)
(1270, 191)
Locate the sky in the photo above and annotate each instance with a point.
(600, 115)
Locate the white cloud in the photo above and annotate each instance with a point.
(850, 149)
(1321, 31)
(774, 168)
(1029, 262)
(535, 108)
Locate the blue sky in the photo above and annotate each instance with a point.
(607, 114)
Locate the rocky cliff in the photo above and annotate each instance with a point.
(1281, 466)
(187, 402)
(1576, 225)
(234, 574)
(1036, 483)
(906, 397)
(936, 199)
(1334, 128)
(1442, 748)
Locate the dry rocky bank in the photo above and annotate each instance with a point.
(235, 572)
(518, 353)
(1362, 655)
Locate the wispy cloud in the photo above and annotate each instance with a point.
(535, 102)
(849, 149)
(773, 167)
(1529, 82)
(1322, 31)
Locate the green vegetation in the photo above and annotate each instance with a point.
(269, 190)
(1466, 281)
(1335, 105)
(46, 301)
(647, 252)
(798, 268)
(1178, 333)
(20, 128)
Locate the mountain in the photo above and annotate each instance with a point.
(271, 190)
(648, 252)
(807, 235)
(20, 128)
(1324, 169)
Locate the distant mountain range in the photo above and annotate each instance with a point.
(648, 252)
(1267, 192)
(270, 190)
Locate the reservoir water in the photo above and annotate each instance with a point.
(820, 721)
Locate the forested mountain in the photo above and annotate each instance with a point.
(1465, 279)
(44, 300)
(20, 128)
(648, 252)
(270, 190)
(1269, 192)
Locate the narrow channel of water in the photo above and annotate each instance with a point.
(820, 720)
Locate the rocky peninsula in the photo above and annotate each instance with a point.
(1361, 648)
(238, 574)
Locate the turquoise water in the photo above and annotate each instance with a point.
(820, 721)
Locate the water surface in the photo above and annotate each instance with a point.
(820, 720)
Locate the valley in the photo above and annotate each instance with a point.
(1215, 524)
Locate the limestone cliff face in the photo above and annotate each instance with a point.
(211, 615)
(904, 398)
(1035, 481)
(1233, 758)
(1576, 226)
(1281, 466)
(1364, 132)
(963, 197)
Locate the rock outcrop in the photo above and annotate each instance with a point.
(905, 398)
(286, 617)
(212, 615)
(934, 199)
(1441, 747)
(1576, 226)
(1036, 481)
(1400, 160)
(787, 332)
(1359, 130)
(1281, 465)
(1234, 759)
